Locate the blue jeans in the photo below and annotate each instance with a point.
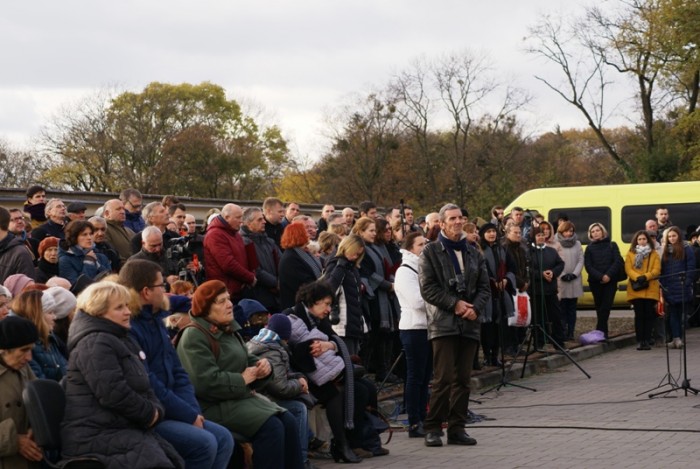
(419, 370)
(675, 315)
(208, 447)
(301, 414)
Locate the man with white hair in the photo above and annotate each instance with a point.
(55, 220)
(152, 250)
(225, 253)
(349, 217)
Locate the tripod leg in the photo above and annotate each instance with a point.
(559, 347)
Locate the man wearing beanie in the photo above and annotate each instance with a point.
(200, 442)
(286, 388)
(17, 338)
(15, 258)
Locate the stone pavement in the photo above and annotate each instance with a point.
(573, 421)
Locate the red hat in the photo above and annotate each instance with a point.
(204, 296)
(48, 242)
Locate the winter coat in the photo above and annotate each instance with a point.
(414, 314)
(435, 273)
(15, 258)
(601, 258)
(294, 272)
(50, 228)
(517, 263)
(73, 262)
(119, 237)
(168, 378)
(284, 384)
(218, 383)
(675, 291)
(109, 401)
(545, 258)
(134, 221)
(167, 266)
(51, 362)
(501, 300)
(651, 267)
(13, 417)
(340, 272)
(378, 298)
(268, 255)
(111, 254)
(45, 270)
(226, 258)
(329, 364)
(571, 253)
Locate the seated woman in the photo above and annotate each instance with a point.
(17, 448)
(225, 377)
(77, 255)
(50, 357)
(313, 339)
(110, 407)
(47, 266)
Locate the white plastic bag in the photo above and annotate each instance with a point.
(523, 312)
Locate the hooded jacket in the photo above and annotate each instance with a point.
(109, 400)
(340, 272)
(14, 258)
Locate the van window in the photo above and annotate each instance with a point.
(635, 216)
(582, 218)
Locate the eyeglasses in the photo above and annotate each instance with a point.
(222, 300)
(16, 219)
(160, 285)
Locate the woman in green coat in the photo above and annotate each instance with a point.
(225, 377)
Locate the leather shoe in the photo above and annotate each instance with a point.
(416, 431)
(460, 439)
(380, 452)
(433, 439)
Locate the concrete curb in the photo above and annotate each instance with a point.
(484, 381)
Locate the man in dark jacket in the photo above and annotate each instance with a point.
(152, 249)
(455, 285)
(56, 218)
(225, 254)
(200, 442)
(268, 255)
(273, 209)
(15, 258)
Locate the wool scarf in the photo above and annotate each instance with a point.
(451, 247)
(641, 253)
(313, 263)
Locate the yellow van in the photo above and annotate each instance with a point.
(623, 209)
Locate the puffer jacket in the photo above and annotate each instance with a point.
(342, 272)
(545, 258)
(49, 362)
(226, 258)
(435, 273)
(328, 365)
(651, 268)
(414, 314)
(168, 378)
(285, 383)
(13, 417)
(109, 400)
(675, 291)
(72, 263)
(601, 258)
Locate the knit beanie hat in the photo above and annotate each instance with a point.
(16, 283)
(65, 301)
(204, 296)
(47, 302)
(48, 242)
(485, 227)
(16, 332)
(280, 324)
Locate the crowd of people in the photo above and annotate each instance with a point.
(177, 344)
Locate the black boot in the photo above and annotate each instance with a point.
(340, 450)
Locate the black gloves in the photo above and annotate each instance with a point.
(568, 277)
(642, 278)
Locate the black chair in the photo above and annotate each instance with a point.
(45, 402)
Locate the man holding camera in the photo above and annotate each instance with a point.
(455, 285)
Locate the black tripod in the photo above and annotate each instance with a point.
(670, 380)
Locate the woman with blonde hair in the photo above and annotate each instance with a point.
(343, 274)
(111, 408)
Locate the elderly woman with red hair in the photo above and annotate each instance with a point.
(297, 266)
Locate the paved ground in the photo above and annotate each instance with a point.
(572, 421)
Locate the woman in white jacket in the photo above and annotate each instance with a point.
(413, 329)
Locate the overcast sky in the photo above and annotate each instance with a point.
(295, 58)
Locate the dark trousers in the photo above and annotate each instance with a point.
(452, 369)
(276, 443)
(644, 318)
(568, 316)
(419, 369)
(490, 341)
(547, 315)
(379, 350)
(603, 297)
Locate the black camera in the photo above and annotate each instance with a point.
(182, 248)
